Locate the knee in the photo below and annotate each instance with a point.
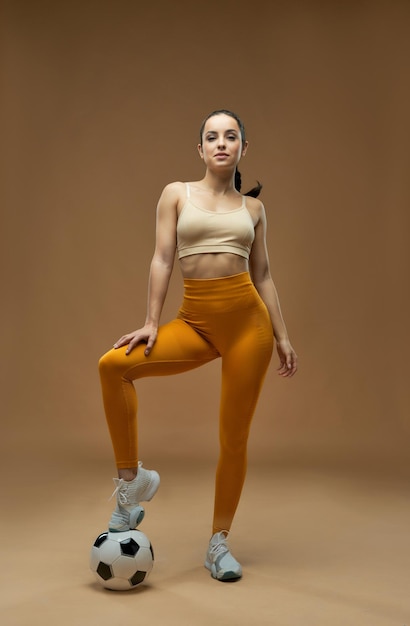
(234, 444)
(106, 363)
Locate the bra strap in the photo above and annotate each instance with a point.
(188, 190)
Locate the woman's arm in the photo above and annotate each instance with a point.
(160, 271)
(261, 277)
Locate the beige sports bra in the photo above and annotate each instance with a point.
(200, 231)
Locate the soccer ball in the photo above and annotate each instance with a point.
(121, 561)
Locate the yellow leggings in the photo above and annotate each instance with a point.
(219, 317)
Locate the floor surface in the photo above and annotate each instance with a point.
(317, 548)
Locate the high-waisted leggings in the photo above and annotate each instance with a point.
(219, 317)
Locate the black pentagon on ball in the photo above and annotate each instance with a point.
(100, 539)
(104, 570)
(137, 578)
(129, 547)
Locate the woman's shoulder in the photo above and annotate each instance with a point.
(173, 193)
(253, 202)
(174, 188)
(254, 206)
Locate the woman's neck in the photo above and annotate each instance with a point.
(219, 184)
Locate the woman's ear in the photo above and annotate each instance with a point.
(201, 154)
(244, 148)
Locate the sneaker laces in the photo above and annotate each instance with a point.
(120, 491)
(219, 548)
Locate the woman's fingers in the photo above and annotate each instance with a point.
(131, 340)
(288, 362)
(151, 340)
(122, 341)
(135, 339)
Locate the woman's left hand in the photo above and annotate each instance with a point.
(288, 358)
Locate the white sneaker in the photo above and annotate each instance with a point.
(128, 513)
(220, 561)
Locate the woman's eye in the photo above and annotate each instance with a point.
(232, 137)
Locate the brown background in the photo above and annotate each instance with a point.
(102, 103)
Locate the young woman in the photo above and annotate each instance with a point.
(230, 310)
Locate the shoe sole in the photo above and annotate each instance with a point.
(138, 513)
(227, 576)
(136, 517)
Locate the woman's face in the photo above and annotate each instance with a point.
(222, 144)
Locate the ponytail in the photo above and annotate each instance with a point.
(254, 192)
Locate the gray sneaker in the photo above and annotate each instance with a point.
(128, 513)
(220, 561)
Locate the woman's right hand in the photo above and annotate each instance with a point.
(147, 334)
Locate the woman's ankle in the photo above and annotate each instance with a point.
(128, 473)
